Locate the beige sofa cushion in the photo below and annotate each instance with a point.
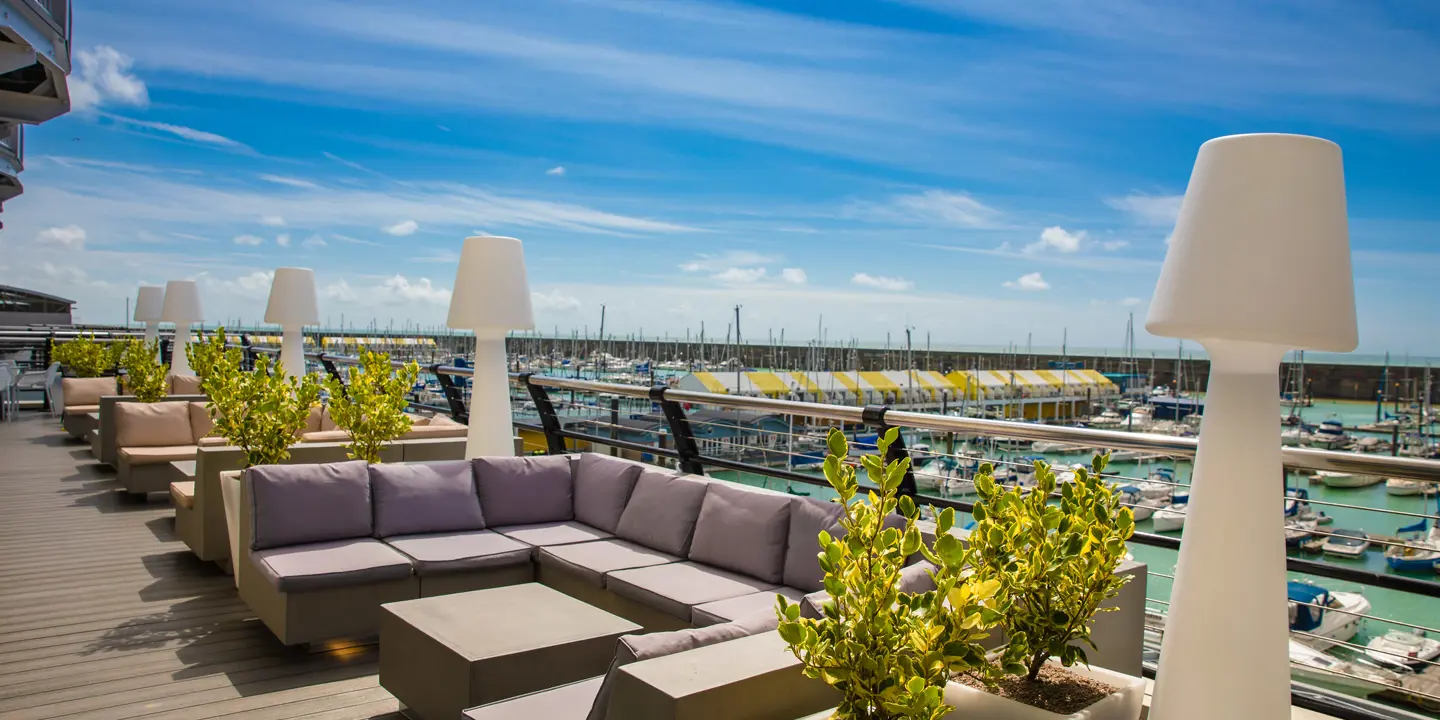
(200, 423)
(157, 455)
(87, 391)
(183, 494)
(438, 426)
(314, 421)
(184, 385)
(321, 436)
(327, 423)
(158, 424)
(212, 441)
(81, 409)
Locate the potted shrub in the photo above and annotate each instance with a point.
(1055, 565)
(84, 357)
(888, 652)
(144, 374)
(371, 404)
(206, 353)
(259, 411)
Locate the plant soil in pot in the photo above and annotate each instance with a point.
(1074, 693)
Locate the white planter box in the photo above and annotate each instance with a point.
(1123, 704)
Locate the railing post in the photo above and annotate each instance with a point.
(554, 443)
(874, 415)
(614, 424)
(454, 395)
(249, 350)
(165, 346)
(680, 433)
(331, 369)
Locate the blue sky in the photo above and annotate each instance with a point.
(981, 170)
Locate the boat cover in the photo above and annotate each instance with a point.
(1304, 617)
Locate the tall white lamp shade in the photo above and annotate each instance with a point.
(149, 303)
(182, 307)
(1255, 203)
(491, 296)
(293, 305)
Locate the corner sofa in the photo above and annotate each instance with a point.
(658, 548)
(102, 438)
(150, 436)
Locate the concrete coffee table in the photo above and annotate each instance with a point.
(441, 655)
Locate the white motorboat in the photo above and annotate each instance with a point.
(1160, 484)
(1142, 507)
(1050, 446)
(1297, 531)
(1347, 543)
(1404, 486)
(1326, 617)
(1169, 518)
(1330, 436)
(1124, 455)
(1295, 437)
(1107, 420)
(1350, 677)
(1336, 479)
(1405, 647)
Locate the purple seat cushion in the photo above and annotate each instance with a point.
(299, 504)
(602, 487)
(678, 587)
(662, 511)
(808, 517)
(743, 530)
(341, 563)
(525, 490)
(720, 611)
(431, 497)
(436, 553)
(559, 533)
(590, 561)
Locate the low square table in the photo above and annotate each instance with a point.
(443, 654)
(184, 467)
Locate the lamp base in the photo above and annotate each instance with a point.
(292, 352)
(491, 423)
(179, 361)
(1230, 658)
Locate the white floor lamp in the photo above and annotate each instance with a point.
(292, 306)
(1263, 224)
(491, 297)
(182, 307)
(148, 306)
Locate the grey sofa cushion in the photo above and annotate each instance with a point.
(735, 608)
(662, 511)
(743, 530)
(438, 553)
(567, 702)
(340, 563)
(525, 490)
(602, 487)
(434, 497)
(635, 648)
(592, 560)
(678, 587)
(299, 504)
(913, 579)
(808, 517)
(557, 533)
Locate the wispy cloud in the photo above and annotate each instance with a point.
(290, 182)
(70, 237)
(794, 276)
(931, 207)
(1158, 210)
(734, 258)
(1032, 282)
(272, 221)
(557, 171)
(881, 282)
(180, 131)
(1058, 239)
(250, 240)
(402, 228)
(356, 241)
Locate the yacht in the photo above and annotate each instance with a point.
(1160, 484)
(1330, 436)
(1346, 676)
(1404, 486)
(1410, 648)
(1169, 518)
(1347, 543)
(1336, 479)
(1328, 617)
(1295, 437)
(1420, 552)
(1107, 420)
(1297, 531)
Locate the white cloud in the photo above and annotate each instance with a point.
(65, 273)
(1057, 238)
(250, 240)
(402, 228)
(880, 282)
(71, 237)
(794, 276)
(253, 285)
(314, 241)
(732, 259)
(272, 221)
(180, 131)
(290, 181)
(442, 128)
(1113, 245)
(932, 207)
(557, 171)
(1132, 302)
(400, 287)
(1148, 209)
(390, 291)
(102, 77)
(283, 240)
(356, 241)
(341, 290)
(554, 301)
(1029, 282)
(740, 276)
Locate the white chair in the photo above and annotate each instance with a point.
(8, 396)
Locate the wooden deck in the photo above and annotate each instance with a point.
(105, 614)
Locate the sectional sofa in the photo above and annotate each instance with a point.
(150, 436)
(82, 398)
(103, 438)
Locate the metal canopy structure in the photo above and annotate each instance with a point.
(19, 306)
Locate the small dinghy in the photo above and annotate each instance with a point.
(1405, 647)
(1347, 543)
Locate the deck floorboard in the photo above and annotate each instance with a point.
(105, 614)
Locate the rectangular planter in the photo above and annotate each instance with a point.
(1123, 704)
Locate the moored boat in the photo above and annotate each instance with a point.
(1349, 677)
(1347, 543)
(1405, 486)
(1335, 479)
(1419, 551)
(1325, 617)
(1411, 648)
(1142, 507)
(1169, 518)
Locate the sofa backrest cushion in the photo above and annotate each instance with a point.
(525, 490)
(327, 422)
(158, 424)
(184, 385)
(312, 421)
(662, 511)
(87, 391)
(808, 517)
(200, 423)
(433, 497)
(602, 487)
(635, 648)
(743, 530)
(299, 504)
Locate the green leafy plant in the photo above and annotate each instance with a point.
(371, 404)
(1055, 564)
(207, 353)
(144, 373)
(889, 653)
(260, 411)
(84, 356)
